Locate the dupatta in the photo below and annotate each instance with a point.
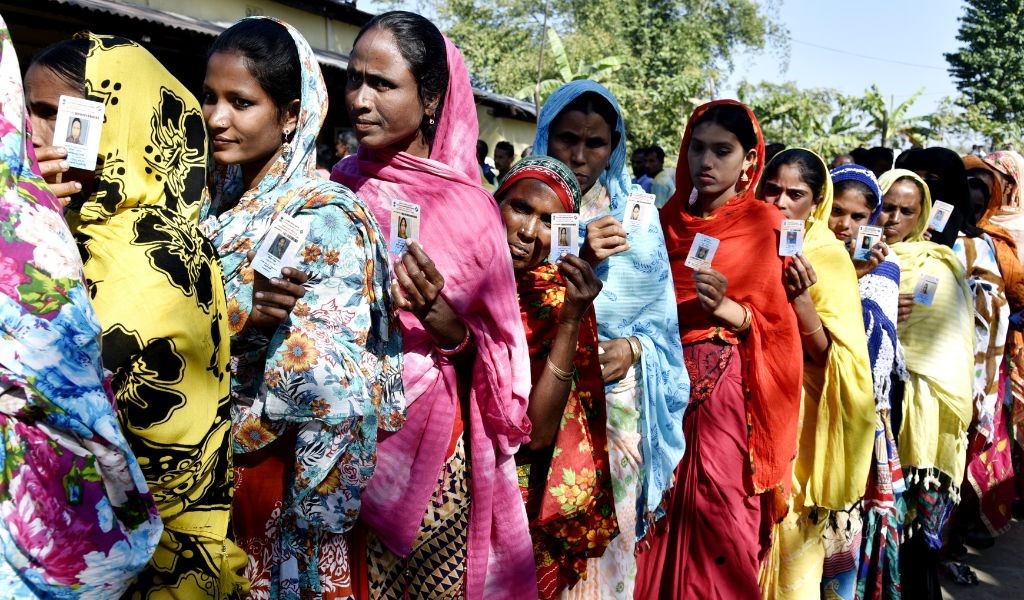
(77, 515)
(748, 230)
(568, 487)
(838, 426)
(332, 369)
(461, 230)
(649, 316)
(939, 344)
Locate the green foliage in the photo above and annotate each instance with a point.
(989, 66)
(664, 53)
(600, 71)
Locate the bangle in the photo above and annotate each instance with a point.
(812, 332)
(458, 349)
(635, 347)
(560, 374)
(748, 316)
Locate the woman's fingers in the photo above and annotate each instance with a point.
(410, 284)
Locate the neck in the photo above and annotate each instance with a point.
(707, 204)
(253, 172)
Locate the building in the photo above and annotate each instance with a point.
(179, 32)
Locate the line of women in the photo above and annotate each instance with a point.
(443, 411)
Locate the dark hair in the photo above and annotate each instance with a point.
(505, 146)
(270, 55)
(422, 46)
(638, 151)
(770, 150)
(948, 182)
(67, 61)
(848, 185)
(656, 149)
(812, 171)
(593, 103)
(734, 119)
(482, 147)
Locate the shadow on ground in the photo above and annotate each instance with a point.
(1000, 570)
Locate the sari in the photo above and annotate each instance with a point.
(837, 425)
(567, 487)
(938, 397)
(156, 285)
(491, 555)
(78, 519)
(741, 425)
(307, 401)
(645, 407)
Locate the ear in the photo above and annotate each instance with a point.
(430, 109)
(750, 158)
(290, 116)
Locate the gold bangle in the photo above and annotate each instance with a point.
(560, 374)
(810, 333)
(635, 348)
(748, 316)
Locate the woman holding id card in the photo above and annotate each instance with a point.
(936, 327)
(831, 470)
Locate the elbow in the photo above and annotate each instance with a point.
(541, 440)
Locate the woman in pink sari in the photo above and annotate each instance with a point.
(443, 510)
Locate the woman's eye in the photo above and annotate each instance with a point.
(242, 103)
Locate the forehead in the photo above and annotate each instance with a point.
(229, 70)
(43, 84)
(851, 200)
(581, 123)
(537, 193)
(903, 192)
(788, 176)
(713, 133)
(377, 50)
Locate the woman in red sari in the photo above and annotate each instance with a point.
(742, 349)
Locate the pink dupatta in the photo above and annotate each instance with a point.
(461, 230)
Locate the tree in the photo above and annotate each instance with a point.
(671, 51)
(600, 71)
(989, 66)
(891, 122)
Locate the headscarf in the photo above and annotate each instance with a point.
(332, 369)
(838, 426)
(939, 344)
(77, 516)
(1005, 244)
(853, 172)
(649, 316)
(748, 231)
(950, 186)
(461, 230)
(567, 528)
(157, 288)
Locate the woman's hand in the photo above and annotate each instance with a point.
(273, 299)
(878, 253)
(616, 357)
(711, 286)
(798, 276)
(53, 166)
(906, 307)
(417, 284)
(605, 237)
(581, 287)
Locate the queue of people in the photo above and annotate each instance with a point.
(752, 378)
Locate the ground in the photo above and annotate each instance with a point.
(1000, 569)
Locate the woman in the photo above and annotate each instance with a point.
(646, 387)
(937, 402)
(943, 170)
(78, 519)
(820, 534)
(444, 511)
(858, 202)
(742, 350)
(156, 285)
(568, 448)
(309, 389)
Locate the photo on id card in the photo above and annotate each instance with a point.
(867, 237)
(639, 209)
(280, 248)
(941, 211)
(77, 129)
(791, 239)
(924, 291)
(702, 252)
(565, 235)
(405, 225)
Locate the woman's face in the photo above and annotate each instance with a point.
(583, 141)
(716, 160)
(245, 125)
(76, 129)
(383, 97)
(788, 191)
(526, 209)
(901, 209)
(43, 89)
(850, 210)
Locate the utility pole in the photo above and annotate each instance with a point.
(540, 60)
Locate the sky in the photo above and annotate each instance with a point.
(897, 44)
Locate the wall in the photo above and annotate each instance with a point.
(494, 129)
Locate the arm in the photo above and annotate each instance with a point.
(711, 289)
(551, 389)
(798, 277)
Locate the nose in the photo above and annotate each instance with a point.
(528, 232)
(217, 119)
(577, 155)
(360, 99)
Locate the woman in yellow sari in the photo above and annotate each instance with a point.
(157, 288)
(936, 327)
(820, 535)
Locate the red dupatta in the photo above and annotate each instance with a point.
(748, 231)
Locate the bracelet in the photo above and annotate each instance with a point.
(748, 316)
(456, 350)
(560, 374)
(810, 333)
(635, 347)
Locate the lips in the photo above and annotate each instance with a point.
(363, 125)
(705, 179)
(518, 252)
(222, 141)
